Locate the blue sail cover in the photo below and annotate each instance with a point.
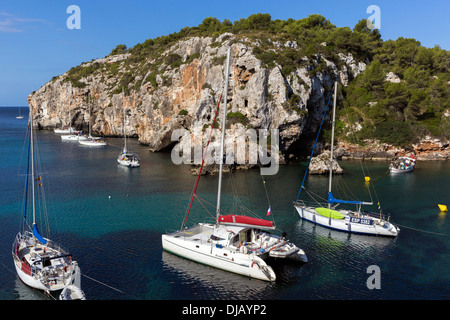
(332, 199)
(37, 235)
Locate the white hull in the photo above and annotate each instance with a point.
(128, 160)
(394, 170)
(92, 142)
(222, 258)
(233, 248)
(73, 137)
(35, 282)
(28, 280)
(44, 267)
(131, 164)
(64, 131)
(378, 227)
(72, 292)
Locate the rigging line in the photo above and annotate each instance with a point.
(203, 161)
(103, 284)
(318, 196)
(265, 189)
(425, 231)
(312, 152)
(201, 203)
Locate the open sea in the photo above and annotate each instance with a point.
(111, 219)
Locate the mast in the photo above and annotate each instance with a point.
(32, 162)
(332, 141)
(123, 110)
(224, 116)
(70, 121)
(89, 116)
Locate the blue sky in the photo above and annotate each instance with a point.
(35, 43)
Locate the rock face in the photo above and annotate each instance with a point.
(321, 164)
(185, 95)
(426, 149)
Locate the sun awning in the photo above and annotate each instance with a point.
(246, 221)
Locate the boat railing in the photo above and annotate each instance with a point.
(377, 215)
(301, 203)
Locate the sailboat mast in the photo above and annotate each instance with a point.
(123, 110)
(222, 141)
(332, 141)
(70, 121)
(32, 163)
(89, 115)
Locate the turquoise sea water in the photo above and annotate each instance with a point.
(111, 218)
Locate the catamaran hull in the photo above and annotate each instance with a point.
(308, 213)
(221, 258)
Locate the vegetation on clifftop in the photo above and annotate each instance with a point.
(397, 112)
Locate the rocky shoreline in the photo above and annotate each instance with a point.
(426, 149)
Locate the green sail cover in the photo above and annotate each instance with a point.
(328, 212)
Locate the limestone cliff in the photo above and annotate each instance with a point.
(181, 87)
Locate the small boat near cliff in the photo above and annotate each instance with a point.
(89, 140)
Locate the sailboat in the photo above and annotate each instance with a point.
(236, 243)
(40, 262)
(127, 158)
(73, 135)
(90, 140)
(329, 216)
(66, 130)
(19, 116)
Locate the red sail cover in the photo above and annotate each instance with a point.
(247, 221)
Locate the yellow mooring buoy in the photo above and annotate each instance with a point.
(367, 179)
(443, 207)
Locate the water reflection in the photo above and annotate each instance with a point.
(211, 283)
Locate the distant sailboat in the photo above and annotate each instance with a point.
(329, 216)
(235, 243)
(39, 262)
(127, 158)
(91, 141)
(19, 116)
(66, 130)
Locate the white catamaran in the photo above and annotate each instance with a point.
(127, 158)
(329, 216)
(40, 263)
(235, 243)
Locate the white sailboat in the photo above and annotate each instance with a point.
(39, 262)
(20, 116)
(353, 221)
(91, 141)
(66, 130)
(127, 158)
(234, 243)
(72, 134)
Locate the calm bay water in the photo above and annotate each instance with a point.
(111, 218)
